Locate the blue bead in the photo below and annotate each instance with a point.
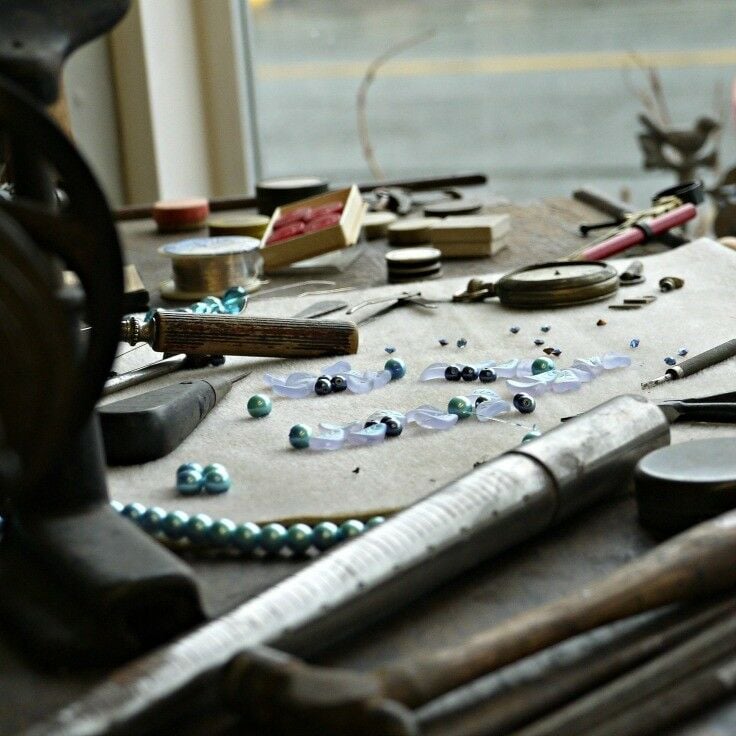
(374, 521)
(134, 511)
(216, 479)
(273, 538)
(462, 342)
(525, 403)
(189, 466)
(453, 373)
(538, 341)
(215, 304)
(198, 528)
(469, 373)
(545, 328)
(350, 528)
(246, 537)
(149, 315)
(234, 292)
(670, 360)
(325, 535)
(189, 482)
(200, 308)
(259, 406)
(514, 330)
(634, 343)
(152, 519)
(323, 386)
(235, 299)
(390, 349)
(487, 375)
(396, 367)
(174, 524)
(299, 436)
(443, 341)
(682, 352)
(116, 506)
(220, 533)
(299, 538)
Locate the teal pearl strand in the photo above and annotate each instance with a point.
(203, 533)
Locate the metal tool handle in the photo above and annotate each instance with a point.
(705, 360)
(705, 412)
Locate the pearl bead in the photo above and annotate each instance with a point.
(273, 538)
(531, 435)
(374, 521)
(247, 536)
(396, 367)
(152, 518)
(324, 535)
(221, 532)
(461, 406)
(174, 524)
(542, 365)
(259, 406)
(189, 482)
(487, 375)
(339, 384)
(216, 479)
(198, 528)
(469, 373)
(322, 386)
(299, 436)
(134, 511)
(350, 528)
(525, 403)
(299, 538)
(393, 428)
(452, 373)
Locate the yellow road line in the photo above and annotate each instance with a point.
(499, 64)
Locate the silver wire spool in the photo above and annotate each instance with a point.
(203, 266)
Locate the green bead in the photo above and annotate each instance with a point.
(351, 528)
(216, 479)
(299, 436)
(273, 538)
(134, 511)
(189, 466)
(461, 406)
(246, 537)
(198, 528)
(324, 535)
(396, 367)
(174, 524)
(220, 534)
(374, 521)
(189, 482)
(259, 406)
(299, 538)
(152, 519)
(531, 435)
(542, 365)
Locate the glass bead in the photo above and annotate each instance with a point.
(259, 406)
(374, 521)
(116, 506)
(149, 315)
(634, 342)
(189, 466)
(246, 537)
(428, 417)
(299, 538)
(487, 375)
(670, 360)
(545, 328)
(350, 528)
(235, 299)
(462, 342)
(200, 308)
(396, 367)
(299, 436)
(215, 304)
(514, 330)
(325, 535)
(371, 434)
(682, 352)
(174, 524)
(393, 428)
(460, 406)
(216, 479)
(152, 518)
(294, 392)
(507, 369)
(453, 373)
(339, 384)
(469, 373)
(322, 386)
(490, 408)
(133, 511)
(443, 341)
(235, 291)
(273, 538)
(557, 352)
(538, 341)
(390, 349)
(198, 528)
(189, 482)
(531, 435)
(524, 403)
(542, 365)
(614, 360)
(341, 366)
(220, 533)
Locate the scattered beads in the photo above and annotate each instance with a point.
(390, 349)
(396, 367)
(216, 479)
(682, 352)
(514, 330)
(542, 365)
(443, 341)
(525, 403)
(545, 328)
(460, 406)
(462, 342)
(538, 341)
(299, 436)
(259, 406)
(634, 343)
(333, 378)
(453, 373)
(670, 360)
(487, 375)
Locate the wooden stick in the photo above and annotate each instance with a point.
(692, 565)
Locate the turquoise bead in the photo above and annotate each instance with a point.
(215, 304)
(235, 299)
(200, 308)
(198, 528)
(246, 537)
(216, 479)
(299, 436)
(220, 533)
(374, 521)
(152, 519)
(396, 367)
(273, 538)
(189, 482)
(325, 535)
(299, 538)
(116, 506)
(351, 528)
(461, 406)
(134, 511)
(531, 435)
(235, 292)
(174, 524)
(149, 315)
(542, 365)
(189, 466)
(259, 406)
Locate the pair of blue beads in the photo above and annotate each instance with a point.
(233, 301)
(192, 479)
(223, 534)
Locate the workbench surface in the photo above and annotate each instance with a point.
(560, 561)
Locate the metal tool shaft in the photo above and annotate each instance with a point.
(697, 363)
(499, 504)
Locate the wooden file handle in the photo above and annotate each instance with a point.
(694, 564)
(212, 334)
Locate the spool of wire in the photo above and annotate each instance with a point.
(203, 266)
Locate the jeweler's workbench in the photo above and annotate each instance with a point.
(584, 548)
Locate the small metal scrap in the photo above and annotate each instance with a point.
(624, 306)
(601, 323)
(670, 283)
(641, 300)
(633, 274)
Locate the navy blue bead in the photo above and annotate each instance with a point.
(396, 367)
(338, 383)
(452, 373)
(134, 511)
(670, 360)
(525, 403)
(487, 375)
(469, 373)
(393, 427)
(323, 386)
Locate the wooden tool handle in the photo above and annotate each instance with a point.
(705, 360)
(697, 563)
(212, 334)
